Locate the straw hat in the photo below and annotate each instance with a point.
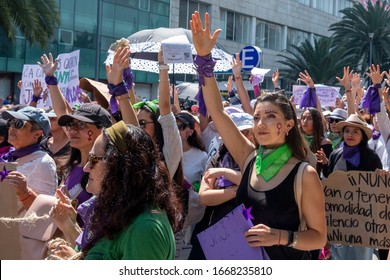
(356, 121)
(99, 91)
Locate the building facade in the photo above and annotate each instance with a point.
(92, 25)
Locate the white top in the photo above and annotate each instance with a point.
(40, 170)
(384, 127)
(208, 134)
(173, 149)
(194, 164)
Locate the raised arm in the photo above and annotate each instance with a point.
(275, 80)
(345, 81)
(37, 91)
(238, 146)
(242, 92)
(49, 66)
(118, 88)
(163, 86)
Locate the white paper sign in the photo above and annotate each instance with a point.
(67, 74)
(326, 94)
(177, 49)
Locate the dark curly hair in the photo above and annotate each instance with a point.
(136, 180)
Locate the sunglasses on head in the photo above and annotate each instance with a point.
(15, 123)
(76, 125)
(93, 160)
(330, 120)
(143, 123)
(181, 126)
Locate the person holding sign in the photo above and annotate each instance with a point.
(268, 172)
(353, 155)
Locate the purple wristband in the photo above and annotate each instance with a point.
(378, 86)
(205, 67)
(51, 80)
(232, 92)
(128, 77)
(35, 98)
(115, 91)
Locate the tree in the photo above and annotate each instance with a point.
(352, 33)
(36, 19)
(321, 60)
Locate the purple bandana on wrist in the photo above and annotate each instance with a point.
(205, 67)
(309, 98)
(115, 91)
(35, 98)
(371, 100)
(128, 77)
(51, 80)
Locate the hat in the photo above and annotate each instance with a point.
(232, 109)
(187, 119)
(89, 113)
(356, 121)
(242, 120)
(98, 89)
(339, 114)
(50, 114)
(30, 113)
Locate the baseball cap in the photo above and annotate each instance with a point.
(30, 113)
(89, 113)
(187, 119)
(242, 120)
(339, 114)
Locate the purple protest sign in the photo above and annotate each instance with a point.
(225, 240)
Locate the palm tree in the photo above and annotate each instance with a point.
(36, 19)
(352, 33)
(320, 59)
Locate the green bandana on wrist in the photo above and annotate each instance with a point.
(269, 162)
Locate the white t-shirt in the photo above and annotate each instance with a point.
(194, 164)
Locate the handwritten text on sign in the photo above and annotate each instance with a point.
(326, 94)
(357, 205)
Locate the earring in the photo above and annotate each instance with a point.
(286, 133)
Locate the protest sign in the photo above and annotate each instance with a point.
(225, 240)
(357, 205)
(326, 94)
(177, 49)
(67, 74)
(9, 233)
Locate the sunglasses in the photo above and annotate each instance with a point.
(76, 125)
(15, 123)
(181, 126)
(330, 120)
(143, 123)
(92, 160)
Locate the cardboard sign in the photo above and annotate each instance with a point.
(225, 240)
(326, 94)
(9, 233)
(357, 205)
(177, 49)
(67, 74)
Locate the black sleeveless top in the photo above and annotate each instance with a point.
(275, 208)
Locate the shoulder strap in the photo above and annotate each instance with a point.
(298, 194)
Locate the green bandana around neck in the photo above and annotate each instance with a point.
(335, 138)
(309, 139)
(269, 162)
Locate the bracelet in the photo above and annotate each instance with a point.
(290, 238)
(123, 96)
(238, 77)
(27, 197)
(164, 81)
(35, 98)
(163, 67)
(348, 90)
(51, 80)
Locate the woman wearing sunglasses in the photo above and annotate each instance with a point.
(333, 133)
(135, 209)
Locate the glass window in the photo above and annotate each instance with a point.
(144, 5)
(108, 18)
(158, 21)
(187, 7)
(268, 35)
(65, 37)
(85, 40)
(125, 21)
(342, 5)
(237, 27)
(160, 8)
(86, 16)
(304, 2)
(87, 68)
(295, 37)
(325, 5)
(143, 22)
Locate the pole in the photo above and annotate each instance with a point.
(98, 39)
(371, 36)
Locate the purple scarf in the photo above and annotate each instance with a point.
(371, 100)
(15, 154)
(227, 162)
(309, 98)
(351, 155)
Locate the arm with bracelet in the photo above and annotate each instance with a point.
(242, 92)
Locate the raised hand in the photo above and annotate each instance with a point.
(347, 77)
(20, 84)
(376, 75)
(236, 65)
(37, 88)
(387, 77)
(275, 78)
(121, 61)
(355, 81)
(305, 77)
(201, 37)
(48, 65)
(229, 84)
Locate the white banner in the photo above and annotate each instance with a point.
(326, 94)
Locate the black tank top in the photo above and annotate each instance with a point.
(275, 208)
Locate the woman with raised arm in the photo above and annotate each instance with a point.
(268, 177)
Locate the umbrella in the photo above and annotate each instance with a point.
(187, 90)
(145, 45)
